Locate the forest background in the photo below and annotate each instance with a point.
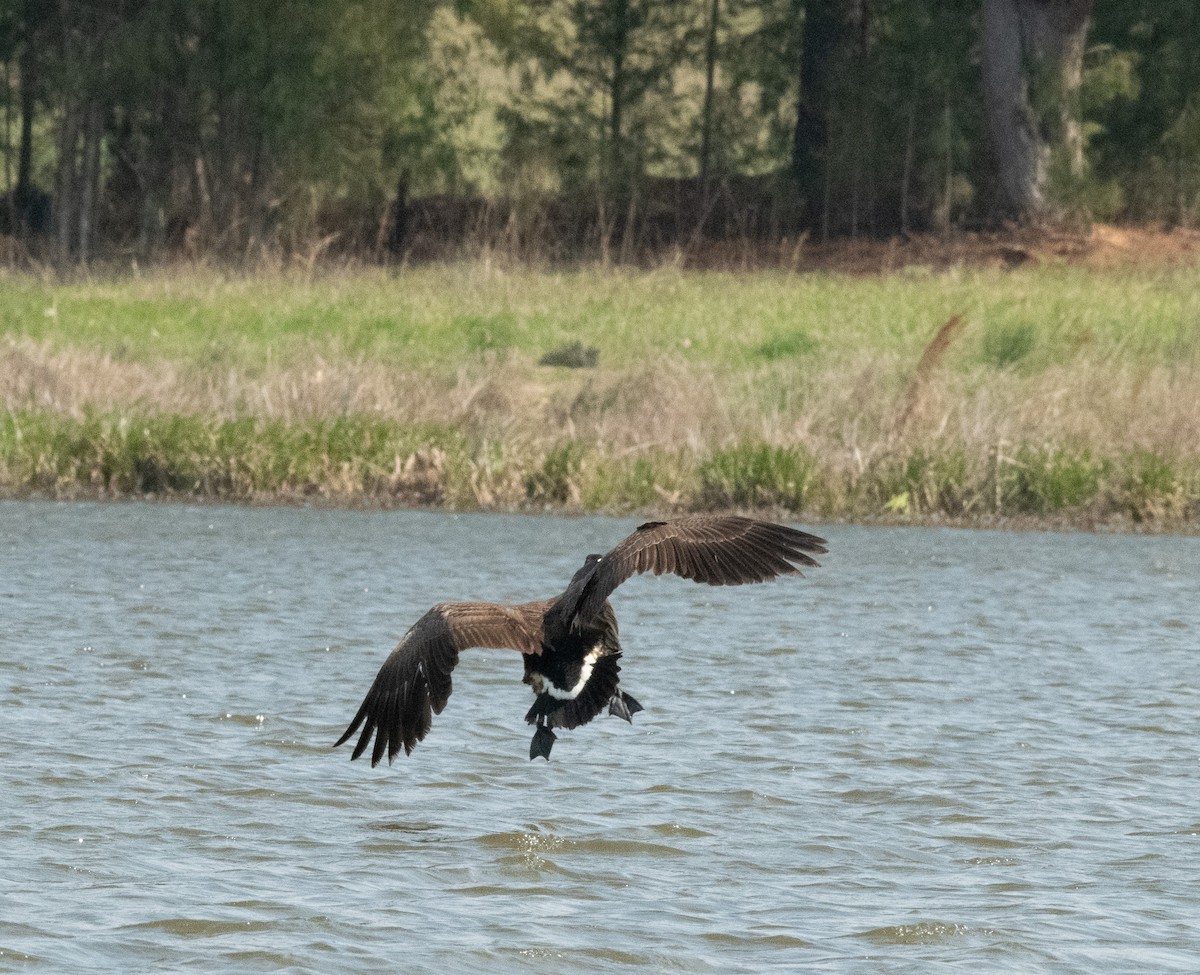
(563, 128)
(544, 253)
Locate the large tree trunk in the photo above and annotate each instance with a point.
(89, 178)
(710, 70)
(1032, 67)
(618, 40)
(66, 194)
(825, 32)
(28, 94)
(835, 31)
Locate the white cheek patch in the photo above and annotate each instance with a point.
(585, 672)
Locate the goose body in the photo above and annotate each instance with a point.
(569, 643)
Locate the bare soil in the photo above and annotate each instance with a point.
(1101, 246)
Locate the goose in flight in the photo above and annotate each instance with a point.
(569, 642)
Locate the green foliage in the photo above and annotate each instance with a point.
(366, 459)
(230, 125)
(125, 453)
(1080, 192)
(1109, 75)
(1047, 480)
(487, 333)
(1152, 487)
(923, 481)
(1150, 68)
(787, 345)
(557, 479)
(1006, 344)
(454, 137)
(754, 475)
(625, 485)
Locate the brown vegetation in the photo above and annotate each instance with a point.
(1053, 393)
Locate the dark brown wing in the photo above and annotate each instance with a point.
(720, 550)
(414, 682)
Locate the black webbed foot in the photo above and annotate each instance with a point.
(543, 741)
(624, 706)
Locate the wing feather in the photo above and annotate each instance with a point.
(720, 550)
(414, 682)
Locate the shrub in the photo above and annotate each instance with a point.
(1045, 480)
(1152, 488)
(925, 481)
(757, 475)
(557, 480)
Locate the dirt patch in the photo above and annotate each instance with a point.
(1101, 246)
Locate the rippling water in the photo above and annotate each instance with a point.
(943, 748)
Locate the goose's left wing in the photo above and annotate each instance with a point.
(720, 550)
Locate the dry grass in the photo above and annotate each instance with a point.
(846, 408)
(823, 395)
(927, 367)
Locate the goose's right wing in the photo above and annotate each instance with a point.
(414, 682)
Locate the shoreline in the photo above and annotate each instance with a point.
(1046, 397)
(1065, 521)
(1060, 524)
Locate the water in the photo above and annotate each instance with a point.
(943, 748)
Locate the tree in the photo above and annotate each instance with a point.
(1032, 69)
(602, 60)
(827, 31)
(24, 29)
(82, 67)
(1142, 96)
(231, 125)
(710, 71)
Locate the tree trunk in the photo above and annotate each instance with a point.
(834, 30)
(825, 28)
(397, 229)
(66, 192)
(619, 45)
(30, 207)
(89, 178)
(28, 81)
(710, 70)
(1032, 68)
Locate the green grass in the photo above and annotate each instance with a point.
(1041, 481)
(922, 482)
(787, 345)
(1067, 390)
(358, 460)
(433, 317)
(1008, 343)
(122, 454)
(757, 475)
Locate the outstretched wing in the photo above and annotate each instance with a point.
(414, 682)
(720, 550)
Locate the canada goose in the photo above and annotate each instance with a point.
(569, 643)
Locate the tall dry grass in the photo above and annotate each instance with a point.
(853, 406)
(843, 441)
(823, 395)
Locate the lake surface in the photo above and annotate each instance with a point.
(943, 748)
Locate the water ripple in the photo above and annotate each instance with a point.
(954, 749)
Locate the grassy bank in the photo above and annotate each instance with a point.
(1049, 393)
